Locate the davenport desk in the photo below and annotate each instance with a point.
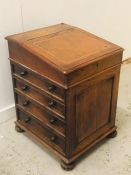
(65, 86)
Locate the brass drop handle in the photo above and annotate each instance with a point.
(26, 103)
(52, 120)
(24, 88)
(26, 120)
(23, 73)
(51, 88)
(53, 138)
(51, 104)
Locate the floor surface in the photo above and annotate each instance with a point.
(21, 156)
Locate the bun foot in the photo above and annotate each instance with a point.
(67, 167)
(18, 129)
(112, 135)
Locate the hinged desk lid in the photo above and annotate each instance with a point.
(65, 47)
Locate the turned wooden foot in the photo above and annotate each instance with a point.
(18, 129)
(113, 134)
(67, 167)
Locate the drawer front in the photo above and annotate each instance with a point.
(43, 133)
(38, 81)
(41, 114)
(41, 98)
(94, 68)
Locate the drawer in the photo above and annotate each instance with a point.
(93, 68)
(48, 119)
(38, 81)
(41, 98)
(40, 131)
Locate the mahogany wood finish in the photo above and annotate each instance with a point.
(65, 86)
